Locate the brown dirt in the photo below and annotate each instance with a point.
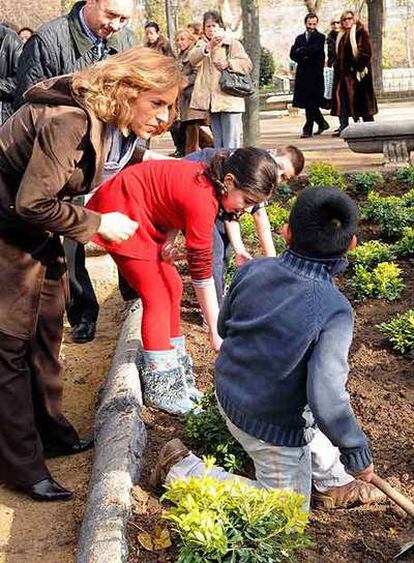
(32, 531)
(382, 393)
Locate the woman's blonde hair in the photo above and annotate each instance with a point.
(187, 33)
(109, 87)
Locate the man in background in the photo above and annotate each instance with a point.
(90, 32)
(308, 52)
(10, 50)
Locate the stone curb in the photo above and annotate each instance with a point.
(120, 439)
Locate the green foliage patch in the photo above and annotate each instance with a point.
(406, 175)
(209, 432)
(371, 253)
(391, 213)
(325, 174)
(400, 331)
(383, 282)
(267, 67)
(229, 522)
(406, 243)
(367, 181)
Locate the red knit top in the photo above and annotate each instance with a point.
(162, 195)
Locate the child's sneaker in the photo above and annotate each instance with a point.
(173, 452)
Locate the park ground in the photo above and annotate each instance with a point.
(381, 389)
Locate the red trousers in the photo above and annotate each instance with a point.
(160, 288)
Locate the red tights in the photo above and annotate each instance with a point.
(160, 288)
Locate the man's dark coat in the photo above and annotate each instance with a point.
(310, 58)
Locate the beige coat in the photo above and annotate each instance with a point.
(207, 93)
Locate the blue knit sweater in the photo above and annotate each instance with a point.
(287, 331)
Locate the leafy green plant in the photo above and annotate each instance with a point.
(406, 174)
(391, 213)
(230, 522)
(408, 198)
(400, 331)
(267, 67)
(406, 243)
(367, 181)
(209, 432)
(371, 253)
(325, 174)
(383, 282)
(278, 216)
(247, 226)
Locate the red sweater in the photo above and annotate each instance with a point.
(162, 195)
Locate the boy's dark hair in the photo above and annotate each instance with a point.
(154, 25)
(254, 171)
(323, 221)
(310, 16)
(212, 15)
(296, 158)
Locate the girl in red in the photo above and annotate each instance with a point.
(166, 195)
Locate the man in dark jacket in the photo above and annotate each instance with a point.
(309, 54)
(10, 50)
(90, 32)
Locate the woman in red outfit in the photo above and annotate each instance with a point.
(168, 195)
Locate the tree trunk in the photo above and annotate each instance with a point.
(376, 27)
(313, 5)
(251, 34)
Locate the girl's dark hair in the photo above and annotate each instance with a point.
(154, 25)
(254, 171)
(213, 15)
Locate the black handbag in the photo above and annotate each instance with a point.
(236, 84)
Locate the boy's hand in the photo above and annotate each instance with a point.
(241, 257)
(215, 340)
(365, 475)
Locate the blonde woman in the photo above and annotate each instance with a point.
(73, 132)
(353, 91)
(214, 52)
(190, 119)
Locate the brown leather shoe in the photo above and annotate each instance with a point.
(173, 452)
(352, 494)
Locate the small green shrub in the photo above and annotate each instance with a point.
(406, 174)
(248, 229)
(391, 213)
(371, 253)
(278, 216)
(383, 282)
(406, 244)
(367, 181)
(209, 432)
(400, 331)
(325, 174)
(267, 67)
(408, 198)
(230, 522)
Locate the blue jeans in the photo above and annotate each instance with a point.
(221, 255)
(227, 129)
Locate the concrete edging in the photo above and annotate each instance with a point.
(120, 439)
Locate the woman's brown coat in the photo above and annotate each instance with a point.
(51, 150)
(187, 113)
(353, 76)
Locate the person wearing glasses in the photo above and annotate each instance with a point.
(353, 91)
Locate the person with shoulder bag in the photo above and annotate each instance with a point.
(216, 52)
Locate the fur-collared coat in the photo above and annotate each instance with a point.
(310, 58)
(353, 75)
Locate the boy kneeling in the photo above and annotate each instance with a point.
(282, 369)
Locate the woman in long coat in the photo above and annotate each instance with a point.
(353, 91)
(72, 133)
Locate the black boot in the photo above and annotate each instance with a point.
(77, 448)
(46, 490)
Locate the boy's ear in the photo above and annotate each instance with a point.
(287, 233)
(353, 243)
